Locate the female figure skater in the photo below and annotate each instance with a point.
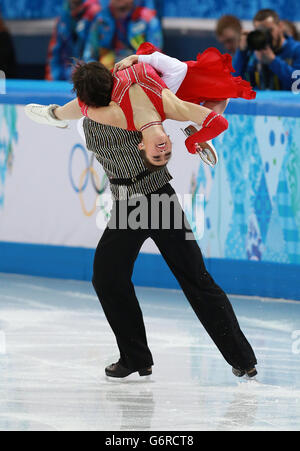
(140, 100)
(207, 81)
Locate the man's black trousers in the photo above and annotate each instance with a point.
(113, 266)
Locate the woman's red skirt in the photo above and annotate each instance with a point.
(209, 78)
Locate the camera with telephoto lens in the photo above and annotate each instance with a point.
(260, 39)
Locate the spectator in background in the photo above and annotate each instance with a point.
(7, 52)
(272, 65)
(228, 32)
(120, 29)
(290, 29)
(70, 37)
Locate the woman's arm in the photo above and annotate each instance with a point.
(69, 111)
(164, 64)
(107, 115)
(179, 110)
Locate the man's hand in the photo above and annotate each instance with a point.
(126, 62)
(265, 56)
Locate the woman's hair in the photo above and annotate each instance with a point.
(151, 167)
(93, 83)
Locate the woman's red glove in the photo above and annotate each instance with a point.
(213, 125)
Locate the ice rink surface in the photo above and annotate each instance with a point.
(55, 343)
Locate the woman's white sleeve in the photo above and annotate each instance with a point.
(162, 63)
(171, 69)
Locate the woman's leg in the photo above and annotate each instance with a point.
(69, 111)
(213, 124)
(217, 107)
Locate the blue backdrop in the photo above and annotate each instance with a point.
(30, 9)
(245, 9)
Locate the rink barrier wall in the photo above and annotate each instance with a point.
(258, 278)
(234, 276)
(21, 92)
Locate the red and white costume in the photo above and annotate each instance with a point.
(148, 79)
(208, 78)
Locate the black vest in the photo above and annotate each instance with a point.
(117, 151)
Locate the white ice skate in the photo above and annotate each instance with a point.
(43, 114)
(208, 153)
(206, 150)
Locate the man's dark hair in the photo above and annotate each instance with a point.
(263, 14)
(93, 83)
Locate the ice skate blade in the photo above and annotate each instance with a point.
(131, 379)
(208, 154)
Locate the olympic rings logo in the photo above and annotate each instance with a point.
(99, 184)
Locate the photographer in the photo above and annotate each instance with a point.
(267, 57)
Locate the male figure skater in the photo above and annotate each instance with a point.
(117, 151)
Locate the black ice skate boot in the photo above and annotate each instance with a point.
(251, 372)
(118, 370)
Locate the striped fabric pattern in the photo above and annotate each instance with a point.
(148, 79)
(140, 74)
(117, 152)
